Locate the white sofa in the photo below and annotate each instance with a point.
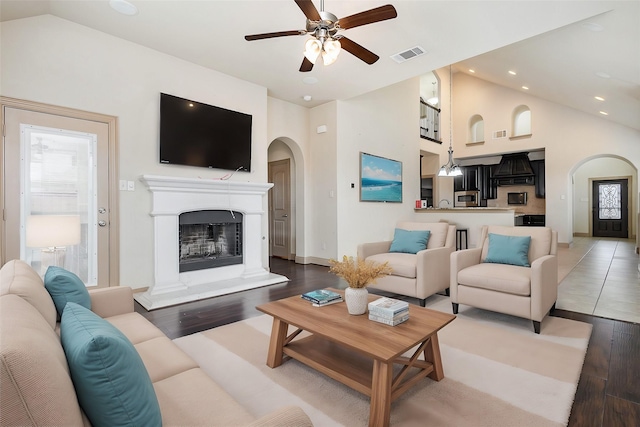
(528, 292)
(417, 275)
(36, 385)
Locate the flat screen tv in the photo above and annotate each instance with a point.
(196, 134)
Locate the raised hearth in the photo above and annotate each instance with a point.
(173, 196)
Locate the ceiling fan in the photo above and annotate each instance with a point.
(323, 28)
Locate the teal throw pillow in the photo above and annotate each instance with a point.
(513, 250)
(64, 287)
(409, 241)
(111, 382)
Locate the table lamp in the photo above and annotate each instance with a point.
(52, 233)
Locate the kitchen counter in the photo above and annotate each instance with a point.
(478, 209)
(471, 219)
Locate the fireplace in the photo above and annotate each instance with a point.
(209, 239)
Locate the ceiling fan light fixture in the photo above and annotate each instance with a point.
(330, 51)
(312, 49)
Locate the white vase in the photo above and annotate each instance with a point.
(356, 299)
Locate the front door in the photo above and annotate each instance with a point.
(56, 175)
(610, 208)
(279, 208)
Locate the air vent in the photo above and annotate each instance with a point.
(499, 134)
(408, 54)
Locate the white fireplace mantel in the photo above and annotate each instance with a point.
(173, 196)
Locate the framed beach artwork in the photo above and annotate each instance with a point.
(380, 179)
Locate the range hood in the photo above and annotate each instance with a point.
(514, 169)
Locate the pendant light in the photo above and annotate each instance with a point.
(450, 169)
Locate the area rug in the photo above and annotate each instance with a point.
(497, 373)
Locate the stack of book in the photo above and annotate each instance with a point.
(322, 297)
(389, 311)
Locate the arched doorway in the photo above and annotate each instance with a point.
(598, 173)
(286, 199)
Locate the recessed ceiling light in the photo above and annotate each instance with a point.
(307, 97)
(603, 75)
(472, 71)
(513, 73)
(124, 7)
(599, 98)
(604, 113)
(310, 80)
(592, 26)
(525, 88)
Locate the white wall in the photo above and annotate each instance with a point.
(383, 123)
(51, 60)
(600, 168)
(322, 207)
(568, 136)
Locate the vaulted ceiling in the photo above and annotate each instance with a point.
(564, 51)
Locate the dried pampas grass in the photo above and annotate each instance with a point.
(360, 273)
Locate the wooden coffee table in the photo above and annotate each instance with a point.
(356, 351)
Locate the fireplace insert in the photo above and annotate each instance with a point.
(209, 239)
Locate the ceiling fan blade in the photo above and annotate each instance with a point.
(356, 50)
(306, 65)
(276, 34)
(309, 9)
(378, 14)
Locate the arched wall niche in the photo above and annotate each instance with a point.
(476, 129)
(521, 121)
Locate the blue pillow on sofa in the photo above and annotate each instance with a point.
(513, 250)
(111, 381)
(410, 241)
(64, 286)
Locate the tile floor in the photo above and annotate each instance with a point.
(600, 277)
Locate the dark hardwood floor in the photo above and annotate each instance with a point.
(608, 393)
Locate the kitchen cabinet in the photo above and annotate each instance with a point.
(538, 170)
(468, 181)
(488, 185)
(530, 220)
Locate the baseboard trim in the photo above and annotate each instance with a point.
(312, 260)
(582, 234)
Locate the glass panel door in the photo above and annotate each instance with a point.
(609, 201)
(58, 191)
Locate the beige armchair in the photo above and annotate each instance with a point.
(528, 292)
(417, 275)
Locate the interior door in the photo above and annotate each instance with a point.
(280, 209)
(56, 166)
(610, 208)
